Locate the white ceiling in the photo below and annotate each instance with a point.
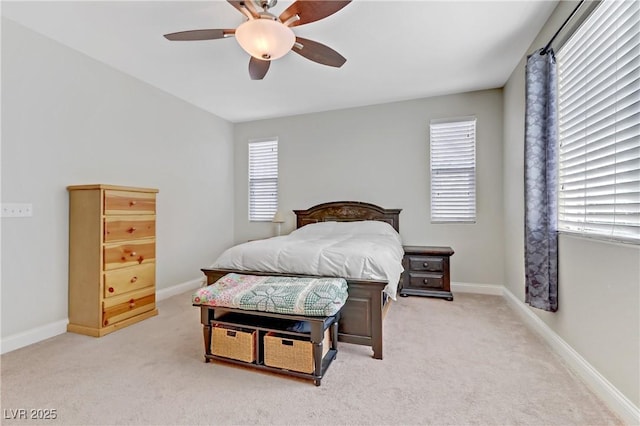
(395, 50)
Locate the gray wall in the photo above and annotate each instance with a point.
(599, 282)
(380, 154)
(68, 119)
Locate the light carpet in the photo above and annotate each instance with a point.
(466, 362)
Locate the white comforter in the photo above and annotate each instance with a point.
(362, 249)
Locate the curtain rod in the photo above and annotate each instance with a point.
(564, 24)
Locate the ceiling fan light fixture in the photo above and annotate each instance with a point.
(265, 39)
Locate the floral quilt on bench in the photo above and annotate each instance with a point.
(282, 295)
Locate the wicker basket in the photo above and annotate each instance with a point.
(233, 343)
(290, 353)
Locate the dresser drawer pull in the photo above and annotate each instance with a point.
(134, 279)
(111, 290)
(132, 203)
(133, 253)
(131, 230)
(132, 303)
(425, 264)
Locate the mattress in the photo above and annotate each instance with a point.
(370, 250)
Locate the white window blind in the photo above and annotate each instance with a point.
(263, 180)
(453, 170)
(599, 125)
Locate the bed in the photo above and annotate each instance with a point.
(369, 298)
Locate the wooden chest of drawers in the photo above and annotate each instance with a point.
(112, 257)
(426, 272)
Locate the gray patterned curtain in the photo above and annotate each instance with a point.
(541, 137)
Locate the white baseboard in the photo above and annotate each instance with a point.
(619, 403)
(491, 289)
(35, 335)
(166, 293)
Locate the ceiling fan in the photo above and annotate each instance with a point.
(267, 37)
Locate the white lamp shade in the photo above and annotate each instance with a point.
(278, 217)
(265, 39)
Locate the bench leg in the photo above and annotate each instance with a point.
(316, 341)
(206, 333)
(205, 315)
(334, 333)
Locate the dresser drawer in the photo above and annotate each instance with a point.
(426, 280)
(129, 254)
(128, 306)
(129, 202)
(118, 228)
(132, 278)
(426, 263)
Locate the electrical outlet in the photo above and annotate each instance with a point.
(16, 210)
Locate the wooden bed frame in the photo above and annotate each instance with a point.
(364, 311)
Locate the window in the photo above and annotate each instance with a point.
(263, 180)
(599, 125)
(453, 170)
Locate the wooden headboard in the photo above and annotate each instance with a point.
(345, 211)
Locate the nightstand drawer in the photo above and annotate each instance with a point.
(423, 280)
(426, 263)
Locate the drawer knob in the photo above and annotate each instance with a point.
(132, 303)
(140, 259)
(111, 290)
(134, 279)
(132, 203)
(425, 264)
(133, 253)
(131, 230)
(426, 281)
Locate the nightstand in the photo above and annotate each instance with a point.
(426, 272)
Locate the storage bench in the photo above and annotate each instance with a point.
(289, 343)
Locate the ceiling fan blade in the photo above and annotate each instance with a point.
(258, 68)
(311, 11)
(244, 7)
(199, 35)
(318, 52)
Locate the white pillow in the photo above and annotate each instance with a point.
(322, 228)
(365, 227)
(358, 227)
